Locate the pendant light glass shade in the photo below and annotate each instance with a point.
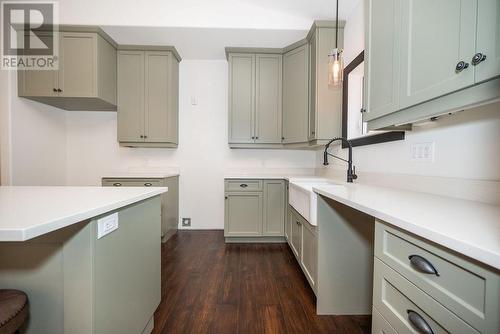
(335, 69)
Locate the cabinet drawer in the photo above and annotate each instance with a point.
(404, 305)
(243, 185)
(470, 291)
(380, 325)
(132, 183)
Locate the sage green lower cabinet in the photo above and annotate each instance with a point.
(79, 284)
(254, 210)
(460, 297)
(169, 200)
(243, 216)
(303, 240)
(380, 325)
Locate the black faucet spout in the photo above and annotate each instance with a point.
(351, 170)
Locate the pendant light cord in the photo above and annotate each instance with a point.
(337, 26)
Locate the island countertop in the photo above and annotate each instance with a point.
(467, 227)
(27, 212)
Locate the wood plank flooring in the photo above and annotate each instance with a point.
(212, 287)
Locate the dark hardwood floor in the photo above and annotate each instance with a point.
(212, 287)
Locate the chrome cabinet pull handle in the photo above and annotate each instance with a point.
(478, 57)
(148, 184)
(243, 185)
(419, 322)
(117, 184)
(462, 65)
(423, 265)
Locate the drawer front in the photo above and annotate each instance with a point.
(132, 183)
(380, 325)
(468, 290)
(243, 185)
(404, 306)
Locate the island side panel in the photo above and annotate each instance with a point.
(127, 270)
(345, 259)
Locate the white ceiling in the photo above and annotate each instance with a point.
(200, 29)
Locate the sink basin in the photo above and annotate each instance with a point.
(303, 199)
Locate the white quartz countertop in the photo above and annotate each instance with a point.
(267, 177)
(468, 227)
(28, 212)
(139, 175)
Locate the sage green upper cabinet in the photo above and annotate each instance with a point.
(296, 95)
(241, 98)
(488, 39)
(86, 75)
(325, 103)
(436, 36)
(426, 58)
(255, 98)
(382, 35)
(268, 98)
(130, 96)
(148, 96)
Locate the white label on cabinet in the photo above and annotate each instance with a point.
(107, 225)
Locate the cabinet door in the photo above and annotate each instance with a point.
(241, 98)
(268, 98)
(243, 214)
(383, 34)
(313, 44)
(309, 256)
(78, 65)
(296, 243)
(38, 83)
(130, 89)
(436, 36)
(296, 95)
(488, 39)
(274, 208)
(158, 117)
(288, 225)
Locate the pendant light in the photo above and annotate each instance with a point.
(335, 59)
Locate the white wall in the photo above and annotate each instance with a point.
(203, 156)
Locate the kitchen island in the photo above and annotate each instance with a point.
(88, 257)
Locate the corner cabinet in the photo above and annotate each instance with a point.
(279, 97)
(414, 73)
(86, 75)
(255, 98)
(254, 210)
(148, 97)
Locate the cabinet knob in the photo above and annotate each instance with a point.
(148, 184)
(59, 90)
(243, 185)
(478, 57)
(282, 138)
(55, 90)
(253, 137)
(117, 184)
(141, 136)
(256, 137)
(419, 322)
(462, 65)
(363, 110)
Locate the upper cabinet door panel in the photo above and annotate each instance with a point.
(312, 86)
(157, 117)
(130, 89)
(436, 36)
(296, 95)
(241, 98)
(78, 65)
(488, 39)
(383, 35)
(268, 98)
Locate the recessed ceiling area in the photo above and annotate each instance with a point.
(200, 29)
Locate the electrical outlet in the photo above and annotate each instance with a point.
(422, 152)
(107, 225)
(186, 221)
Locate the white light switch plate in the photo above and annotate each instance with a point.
(107, 225)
